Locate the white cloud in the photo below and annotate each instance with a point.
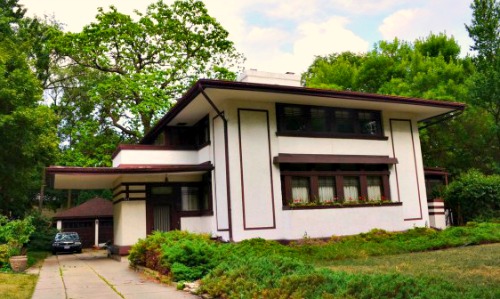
(447, 16)
(367, 6)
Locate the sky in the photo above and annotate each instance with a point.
(285, 35)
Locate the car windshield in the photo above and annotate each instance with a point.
(67, 237)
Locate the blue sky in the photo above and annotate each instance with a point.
(285, 35)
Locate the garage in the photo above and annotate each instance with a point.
(92, 220)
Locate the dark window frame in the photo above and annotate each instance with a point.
(186, 137)
(331, 122)
(338, 175)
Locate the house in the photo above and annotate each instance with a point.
(92, 220)
(242, 160)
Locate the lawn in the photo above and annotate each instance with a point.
(472, 267)
(21, 286)
(17, 286)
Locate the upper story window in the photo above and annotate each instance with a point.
(315, 121)
(186, 137)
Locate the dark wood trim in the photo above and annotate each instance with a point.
(345, 206)
(245, 227)
(130, 199)
(129, 192)
(436, 200)
(196, 213)
(330, 135)
(130, 168)
(436, 213)
(333, 159)
(332, 173)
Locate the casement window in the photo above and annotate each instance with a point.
(315, 121)
(330, 183)
(186, 137)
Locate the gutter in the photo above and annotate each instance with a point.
(226, 149)
(440, 118)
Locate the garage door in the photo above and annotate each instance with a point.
(85, 228)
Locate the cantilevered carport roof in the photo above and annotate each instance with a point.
(62, 177)
(217, 91)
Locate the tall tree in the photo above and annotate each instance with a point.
(485, 32)
(427, 68)
(27, 127)
(144, 64)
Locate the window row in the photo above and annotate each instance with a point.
(184, 137)
(327, 188)
(327, 121)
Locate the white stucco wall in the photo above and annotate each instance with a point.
(293, 224)
(175, 157)
(129, 222)
(203, 224)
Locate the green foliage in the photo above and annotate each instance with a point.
(474, 196)
(27, 127)
(428, 68)
(485, 31)
(42, 237)
(133, 69)
(179, 254)
(258, 268)
(14, 236)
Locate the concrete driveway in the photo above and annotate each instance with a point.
(93, 275)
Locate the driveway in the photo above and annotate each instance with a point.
(93, 275)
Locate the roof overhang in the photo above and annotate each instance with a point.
(332, 159)
(61, 177)
(219, 91)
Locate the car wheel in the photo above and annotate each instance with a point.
(54, 252)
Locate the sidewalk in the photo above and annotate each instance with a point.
(92, 275)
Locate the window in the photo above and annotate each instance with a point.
(325, 184)
(314, 121)
(351, 188)
(186, 137)
(326, 189)
(190, 198)
(300, 189)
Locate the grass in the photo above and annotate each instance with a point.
(18, 285)
(472, 267)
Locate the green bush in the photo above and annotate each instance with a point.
(179, 254)
(474, 196)
(42, 237)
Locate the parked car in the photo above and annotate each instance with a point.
(67, 242)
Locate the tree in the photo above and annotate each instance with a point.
(485, 32)
(141, 66)
(27, 127)
(427, 68)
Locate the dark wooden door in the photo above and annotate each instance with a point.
(162, 211)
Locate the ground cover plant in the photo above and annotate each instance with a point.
(17, 286)
(267, 269)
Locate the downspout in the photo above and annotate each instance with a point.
(226, 149)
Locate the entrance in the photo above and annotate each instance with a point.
(162, 211)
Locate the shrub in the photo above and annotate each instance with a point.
(179, 254)
(44, 233)
(16, 233)
(474, 196)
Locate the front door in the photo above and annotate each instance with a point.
(162, 211)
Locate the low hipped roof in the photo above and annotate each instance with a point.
(94, 208)
(218, 91)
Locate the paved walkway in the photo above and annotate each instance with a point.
(92, 275)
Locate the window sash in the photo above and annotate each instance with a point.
(300, 189)
(328, 120)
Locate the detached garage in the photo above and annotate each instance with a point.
(92, 220)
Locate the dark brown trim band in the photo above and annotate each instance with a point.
(346, 206)
(129, 199)
(436, 213)
(333, 159)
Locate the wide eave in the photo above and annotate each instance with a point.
(63, 177)
(219, 91)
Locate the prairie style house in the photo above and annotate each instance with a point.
(265, 157)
